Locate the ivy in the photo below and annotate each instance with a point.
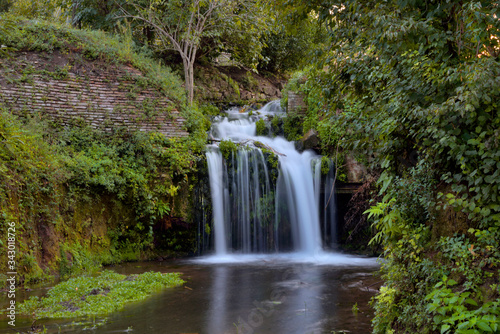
(456, 312)
(45, 170)
(413, 86)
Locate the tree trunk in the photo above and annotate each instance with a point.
(191, 86)
(74, 7)
(189, 80)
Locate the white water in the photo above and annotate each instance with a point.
(242, 195)
(323, 258)
(216, 171)
(326, 203)
(296, 178)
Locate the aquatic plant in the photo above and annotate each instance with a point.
(101, 295)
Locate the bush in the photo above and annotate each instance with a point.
(261, 128)
(227, 148)
(48, 173)
(38, 35)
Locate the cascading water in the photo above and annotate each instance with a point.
(266, 195)
(325, 199)
(216, 172)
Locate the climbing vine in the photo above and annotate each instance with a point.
(413, 86)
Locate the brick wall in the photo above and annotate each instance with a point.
(104, 98)
(296, 103)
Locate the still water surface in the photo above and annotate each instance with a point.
(264, 295)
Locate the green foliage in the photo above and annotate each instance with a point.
(292, 127)
(261, 128)
(276, 125)
(128, 167)
(294, 84)
(355, 309)
(271, 158)
(267, 207)
(326, 164)
(185, 27)
(209, 110)
(413, 86)
(66, 182)
(5, 5)
(239, 32)
(387, 220)
(26, 156)
(471, 258)
(234, 85)
(46, 173)
(97, 15)
(100, 295)
(47, 37)
(31, 271)
(7, 26)
(30, 172)
(249, 81)
(227, 148)
(385, 310)
(197, 122)
(456, 312)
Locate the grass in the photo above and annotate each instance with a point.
(42, 36)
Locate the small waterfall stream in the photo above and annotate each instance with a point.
(267, 197)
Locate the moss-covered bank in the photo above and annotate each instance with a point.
(97, 296)
(79, 198)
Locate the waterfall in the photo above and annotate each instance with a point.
(325, 199)
(216, 173)
(266, 195)
(299, 189)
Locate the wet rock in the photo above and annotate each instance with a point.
(299, 145)
(356, 172)
(69, 306)
(310, 140)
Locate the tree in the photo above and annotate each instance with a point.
(5, 5)
(40, 9)
(94, 14)
(181, 25)
(291, 47)
(420, 77)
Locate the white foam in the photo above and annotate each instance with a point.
(321, 258)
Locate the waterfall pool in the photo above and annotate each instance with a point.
(262, 294)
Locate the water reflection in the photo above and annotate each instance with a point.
(279, 299)
(217, 311)
(264, 298)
